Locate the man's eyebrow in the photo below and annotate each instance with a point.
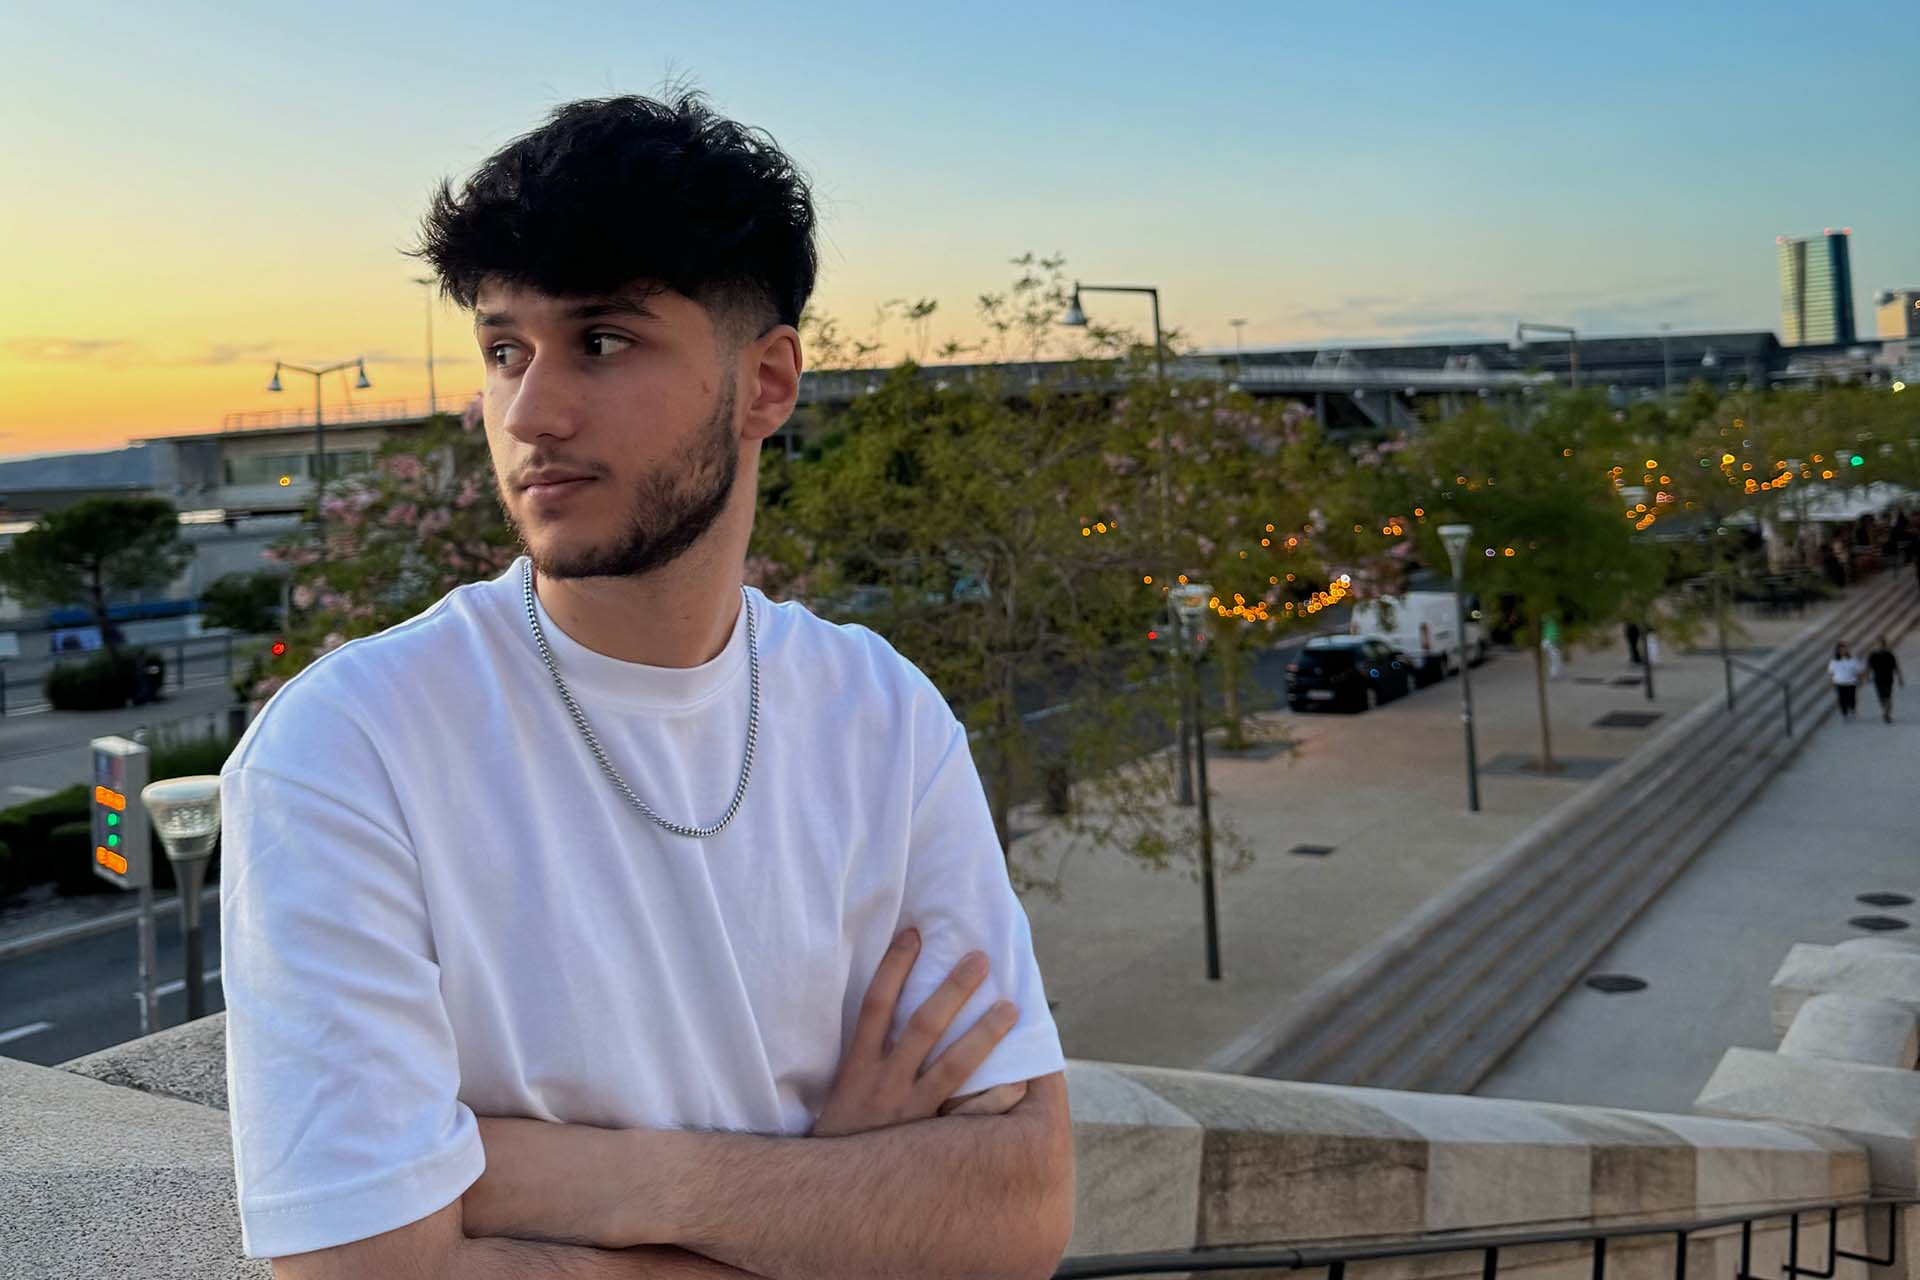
(592, 309)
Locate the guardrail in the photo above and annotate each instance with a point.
(1334, 1258)
(22, 680)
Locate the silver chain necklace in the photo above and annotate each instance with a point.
(753, 716)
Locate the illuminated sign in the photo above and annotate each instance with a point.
(122, 853)
(110, 798)
(111, 861)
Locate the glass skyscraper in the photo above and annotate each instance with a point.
(1816, 289)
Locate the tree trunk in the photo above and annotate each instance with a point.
(1230, 668)
(1540, 683)
(100, 617)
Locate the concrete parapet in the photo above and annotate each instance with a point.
(188, 1062)
(118, 1182)
(1814, 970)
(1877, 1107)
(1878, 1033)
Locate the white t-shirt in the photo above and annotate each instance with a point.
(434, 905)
(1844, 670)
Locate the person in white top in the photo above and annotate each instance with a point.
(609, 919)
(1845, 670)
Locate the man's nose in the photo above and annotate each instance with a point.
(542, 401)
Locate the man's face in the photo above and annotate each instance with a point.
(630, 394)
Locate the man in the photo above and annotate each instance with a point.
(1885, 668)
(600, 920)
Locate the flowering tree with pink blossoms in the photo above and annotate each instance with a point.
(390, 543)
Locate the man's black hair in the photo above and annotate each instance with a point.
(611, 193)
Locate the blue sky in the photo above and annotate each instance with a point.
(231, 185)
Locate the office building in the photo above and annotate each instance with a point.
(1816, 289)
(1898, 314)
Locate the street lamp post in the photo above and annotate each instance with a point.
(1454, 538)
(1239, 359)
(1188, 606)
(1573, 351)
(186, 816)
(1666, 364)
(1076, 316)
(433, 401)
(319, 440)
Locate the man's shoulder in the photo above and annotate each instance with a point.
(843, 655)
(338, 701)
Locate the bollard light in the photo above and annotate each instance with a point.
(185, 814)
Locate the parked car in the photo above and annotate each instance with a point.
(1349, 672)
(1423, 624)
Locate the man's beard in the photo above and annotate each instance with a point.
(673, 508)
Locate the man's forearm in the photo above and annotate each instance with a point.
(497, 1258)
(957, 1196)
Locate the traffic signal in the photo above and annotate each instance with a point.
(278, 649)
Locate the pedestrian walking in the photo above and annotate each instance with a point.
(1845, 670)
(1885, 669)
(1633, 643)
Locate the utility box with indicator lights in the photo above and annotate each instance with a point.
(122, 846)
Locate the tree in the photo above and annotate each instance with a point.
(248, 602)
(1548, 529)
(95, 549)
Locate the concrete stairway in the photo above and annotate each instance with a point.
(1437, 1004)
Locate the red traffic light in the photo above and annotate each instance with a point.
(1153, 635)
(279, 648)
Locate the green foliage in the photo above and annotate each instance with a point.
(94, 549)
(103, 681)
(246, 602)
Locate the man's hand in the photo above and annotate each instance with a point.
(879, 1085)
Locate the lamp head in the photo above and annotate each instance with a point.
(1518, 342)
(1074, 315)
(361, 383)
(1454, 538)
(275, 384)
(185, 813)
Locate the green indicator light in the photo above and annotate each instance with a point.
(1858, 460)
(113, 819)
(113, 842)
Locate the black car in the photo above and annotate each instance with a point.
(1350, 672)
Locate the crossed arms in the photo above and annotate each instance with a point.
(898, 1179)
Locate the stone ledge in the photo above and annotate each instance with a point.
(1876, 1033)
(1810, 970)
(1877, 1107)
(188, 1062)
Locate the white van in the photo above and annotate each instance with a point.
(1422, 624)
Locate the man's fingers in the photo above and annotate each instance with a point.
(883, 995)
(963, 1057)
(931, 1020)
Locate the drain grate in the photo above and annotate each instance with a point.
(1312, 850)
(1615, 983)
(1626, 719)
(1877, 924)
(1885, 899)
(1628, 682)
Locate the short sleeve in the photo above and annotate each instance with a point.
(342, 1077)
(958, 895)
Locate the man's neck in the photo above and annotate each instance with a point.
(679, 616)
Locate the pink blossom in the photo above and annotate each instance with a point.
(303, 596)
(468, 494)
(405, 467)
(1207, 545)
(331, 600)
(435, 522)
(266, 686)
(333, 641)
(402, 513)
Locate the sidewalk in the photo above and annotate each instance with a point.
(1836, 823)
(1123, 954)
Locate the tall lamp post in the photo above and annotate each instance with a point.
(1076, 317)
(185, 813)
(319, 440)
(1573, 351)
(433, 401)
(1239, 357)
(1666, 364)
(1454, 538)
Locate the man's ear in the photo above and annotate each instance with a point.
(771, 380)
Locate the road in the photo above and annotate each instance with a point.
(70, 1000)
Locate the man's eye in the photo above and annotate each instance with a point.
(608, 337)
(493, 354)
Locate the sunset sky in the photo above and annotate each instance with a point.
(189, 192)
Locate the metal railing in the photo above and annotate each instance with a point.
(1334, 1258)
(367, 412)
(22, 679)
(1786, 690)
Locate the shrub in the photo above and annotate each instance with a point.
(68, 855)
(104, 682)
